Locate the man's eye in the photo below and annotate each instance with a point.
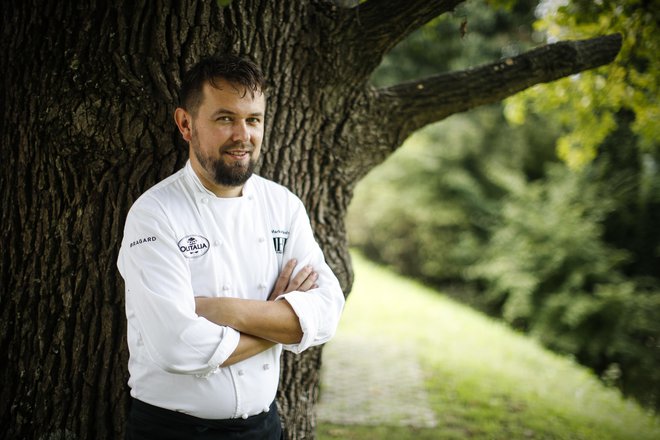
(253, 120)
(223, 119)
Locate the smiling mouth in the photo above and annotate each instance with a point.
(238, 154)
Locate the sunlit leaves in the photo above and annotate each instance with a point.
(585, 104)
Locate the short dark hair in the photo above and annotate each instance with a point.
(238, 71)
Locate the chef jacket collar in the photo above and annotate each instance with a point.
(202, 190)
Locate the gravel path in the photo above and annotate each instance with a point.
(369, 382)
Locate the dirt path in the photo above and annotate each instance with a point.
(371, 382)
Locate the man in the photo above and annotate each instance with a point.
(221, 271)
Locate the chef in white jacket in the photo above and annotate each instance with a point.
(222, 271)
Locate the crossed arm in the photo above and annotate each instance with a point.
(262, 324)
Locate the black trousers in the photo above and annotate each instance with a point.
(148, 422)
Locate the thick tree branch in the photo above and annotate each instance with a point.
(386, 22)
(376, 26)
(412, 105)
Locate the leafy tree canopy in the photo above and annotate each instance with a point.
(586, 104)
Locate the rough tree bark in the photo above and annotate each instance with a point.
(88, 92)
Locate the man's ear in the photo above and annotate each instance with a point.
(184, 122)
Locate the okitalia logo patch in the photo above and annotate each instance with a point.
(193, 246)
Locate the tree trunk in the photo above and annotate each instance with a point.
(87, 98)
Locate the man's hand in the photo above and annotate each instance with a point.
(268, 320)
(302, 282)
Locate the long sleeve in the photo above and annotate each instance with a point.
(319, 309)
(160, 303)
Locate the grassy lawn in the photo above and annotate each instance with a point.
(484, 380)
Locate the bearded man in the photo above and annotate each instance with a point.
(222, 272)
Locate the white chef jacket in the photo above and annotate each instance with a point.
(181, 241)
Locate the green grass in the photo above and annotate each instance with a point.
(484, 380)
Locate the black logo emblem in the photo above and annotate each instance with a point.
(279, 243)
(279, 240)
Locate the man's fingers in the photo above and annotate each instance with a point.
(304, 280)
(301, 277)
(283, 279)
(309, 283)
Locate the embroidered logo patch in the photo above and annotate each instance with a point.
(193, 246)
(279, 240)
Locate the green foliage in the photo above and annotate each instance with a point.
(631, 176)
(615, 328)
(473, 34)
(547, 270)
(548, 238)
(587, 104)
(570, 256)
(426, 211)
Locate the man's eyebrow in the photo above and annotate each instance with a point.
(224, 111)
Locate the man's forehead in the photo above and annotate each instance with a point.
(242, 91)
(232, 99)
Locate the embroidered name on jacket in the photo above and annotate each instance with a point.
(193, 246)
(142, 240)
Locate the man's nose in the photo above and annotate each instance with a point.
(241, 132)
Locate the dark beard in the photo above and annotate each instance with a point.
(223, 174)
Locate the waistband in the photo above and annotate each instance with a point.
(174, 416)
